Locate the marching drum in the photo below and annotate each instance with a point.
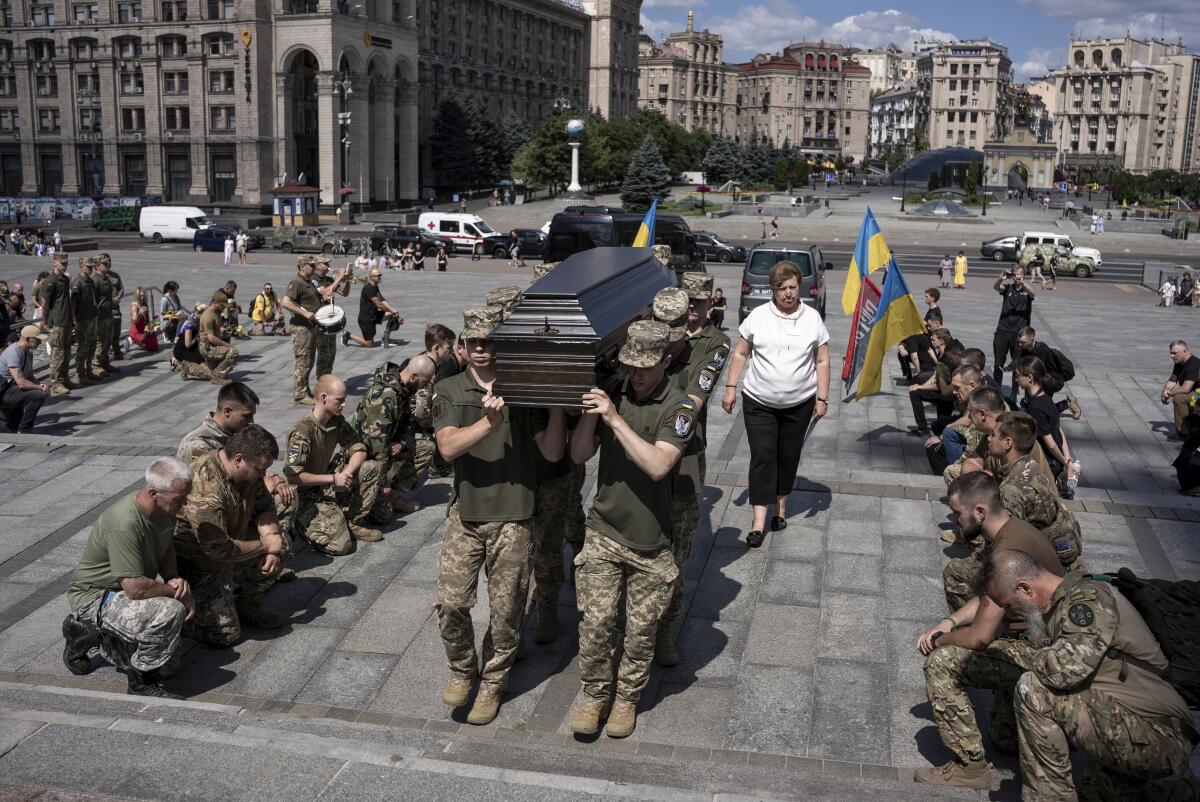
(330, 319)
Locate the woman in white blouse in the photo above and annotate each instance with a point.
(784, 353)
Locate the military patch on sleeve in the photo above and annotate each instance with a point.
(683, 423)
(293, 454)
(718, 359)
(438, 407)
(705, 380)
(1081, 615)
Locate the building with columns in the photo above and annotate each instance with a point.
(208, 101)
(962, 90)
(686, 79)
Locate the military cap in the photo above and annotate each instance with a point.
(104, 257)
(303, 259)
(479, 323)
(544, 269)
(321, 259)
(697, 285)
(506, 297)
(645, 343)
(663, 253)
(670, 307)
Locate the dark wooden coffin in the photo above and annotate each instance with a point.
(564, 336)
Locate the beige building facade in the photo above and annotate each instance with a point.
(890, 67)
(206, 101)
(1127, 104)
(686, 79)
(963, 93)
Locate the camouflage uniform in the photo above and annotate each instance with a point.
(558, 517)
(322, 512)
(506, 298)
(60, 317)
(142, 634)
(220, 511)
(324, 345)
(105, 324)
(83, 290)
(1132, 725)
(383, 417)
(219, 358)
(976, 446)
(118, 292)
(543, 269)
(303, 292)
(1027, 493)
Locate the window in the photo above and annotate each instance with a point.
(220, 44)
(6, 18)
(10, 120)
(87, 83)
(175, 82)
(951, 102)
(129, 12)
(953, 84)
(83, 49)
(89, 119)
(86, 13)
(135, 173)
(974, 86)
(42, 50)
(953, 69)
(179, 118)
(46, 85)
(48, 121)
(131, 83)
(221, 118)
(975, 69)
(220, 9)
(133, 119)
(129, 48)
(43, 16)
(173, 47)
(8, 86)
(174, 10)
(220, 81)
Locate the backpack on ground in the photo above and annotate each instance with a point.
(1172, 612)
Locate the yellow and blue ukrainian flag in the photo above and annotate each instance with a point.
(896, 318)
(871, 253)
(645, 234)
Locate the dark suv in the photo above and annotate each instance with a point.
(756, 290)
(716, 248)
(396, 237)
(600, 226)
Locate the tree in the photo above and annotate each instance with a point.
(545, 161)
(613, 144)
(790, 173)
(722, 162)
(514, 135)
(972, 178)
(454, 154)
(647, 178)
(487, 143)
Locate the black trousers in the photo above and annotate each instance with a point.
(19, 408)
(776, 438)
(1004, 351)
(943, 403)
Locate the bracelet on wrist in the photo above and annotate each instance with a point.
(824, 401)
(951, 620)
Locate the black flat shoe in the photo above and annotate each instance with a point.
(778, 523)
(755, 538)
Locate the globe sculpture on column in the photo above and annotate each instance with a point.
(574, 131)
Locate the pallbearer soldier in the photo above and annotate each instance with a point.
(60, 317)
(107, 287)
(118, 295)
(83, 293)
(489, 521)
(642, 430)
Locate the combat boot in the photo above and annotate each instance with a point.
(405, 506)
(665, 653)
(145, 683)
(82, 380)
(60, 389)
(363, 533)
(546, 629)
(457, 690)
(1073, 406)
(977, 774)
(81, 636)
(307, 401)
(622, 721)
(97, 374)
(252, 613)
(587, 717)
(487, 705)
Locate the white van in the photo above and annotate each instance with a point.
(1061, 240)
(464, 230)
(172, 222)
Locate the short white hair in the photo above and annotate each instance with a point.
(164, 472)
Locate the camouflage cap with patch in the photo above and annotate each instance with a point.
(506, 297)
(670, 307)
(544, 269)
(697, 285)
(663, 253)
(304, 259)
(479, 323)
(645, 343)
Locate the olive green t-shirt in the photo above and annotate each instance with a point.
(104, 294)
(304, 294)
(709, 351)
(56, 296)
(495, 480)
(123, 543)
(630, 507)
(84, 292)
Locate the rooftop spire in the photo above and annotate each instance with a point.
(691, 20)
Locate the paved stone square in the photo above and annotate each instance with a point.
(797, 656)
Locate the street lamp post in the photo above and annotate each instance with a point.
(342, 86)
(904, 187)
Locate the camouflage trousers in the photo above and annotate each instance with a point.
(685, 517)
(101, 354)
(501, 551)
(1124, 750)
(417, 455)
(142, 634)
(951, 670)
(196, 370)
(60, 354)
(303, 351)
(219, 358)
(398, 476)
(322, 514)
(558, 517)
(216, 593)
(957, 578)
(605, 569)
(85, 346)
(326, 351)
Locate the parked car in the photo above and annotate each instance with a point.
(531, 241)
(600, 227)
(1062, 241)
(1001, 249)
(311, 239)
(171, 222)
(213, 238)
(397, 237)
(757, 291)
(716, 248)
(466, 231)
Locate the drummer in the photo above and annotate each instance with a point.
(303, 300)
(329, 287)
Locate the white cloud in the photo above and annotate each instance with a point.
(1037, 62)
(1159, 19)
(688, 4)
(881, 28)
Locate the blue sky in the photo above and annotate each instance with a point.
(1036, 32)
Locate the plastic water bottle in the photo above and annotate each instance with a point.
(1073, 480)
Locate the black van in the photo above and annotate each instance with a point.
(581, 228)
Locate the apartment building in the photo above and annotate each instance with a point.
(207, 101)
(1127, 104)
(962, 92)
(890, 67)
(893, 119)
(686, 78)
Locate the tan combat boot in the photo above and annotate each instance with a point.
(97, 373)
(251, 613)
(82, 380)
(665, 653)
(405, 506)
(977, 774)
(587, 717)
(365, 534)
(487, 705)
(547, 624)
(1073, 406)
(622, 721)
(61, 389)
(457, 690)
